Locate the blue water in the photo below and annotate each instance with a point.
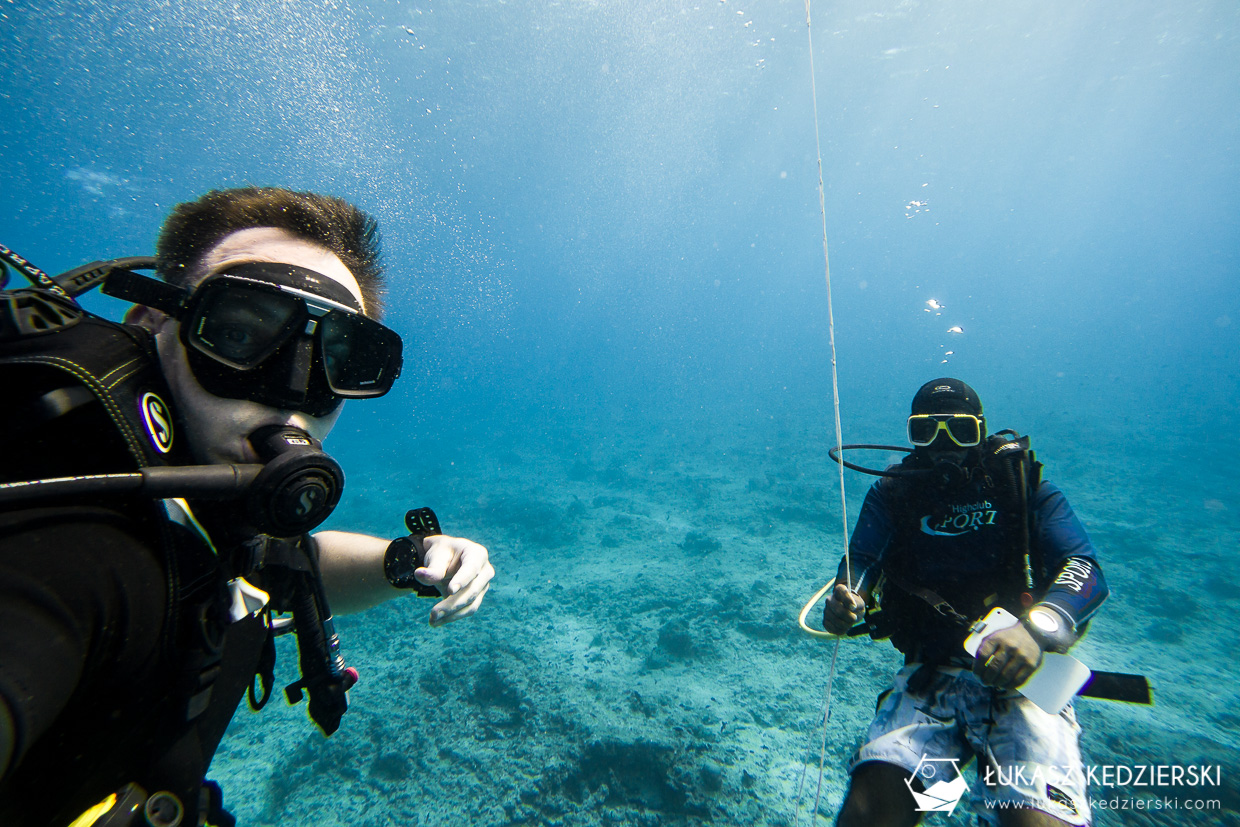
(602, 228)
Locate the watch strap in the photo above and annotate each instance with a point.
(405, 555)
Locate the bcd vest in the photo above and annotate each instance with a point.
(86, 396)
(967, 545)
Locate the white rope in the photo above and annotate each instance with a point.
(822, 744)
(826, 261)
(839, 435)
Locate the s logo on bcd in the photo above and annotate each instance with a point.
(158, 420)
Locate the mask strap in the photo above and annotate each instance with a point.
(131, 287)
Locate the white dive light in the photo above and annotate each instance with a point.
(1045, 619)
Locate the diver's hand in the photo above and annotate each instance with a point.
(1007, 658)
(461, 570)
(842, 610)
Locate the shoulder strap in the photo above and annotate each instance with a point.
(1015, 469)
(87, 360)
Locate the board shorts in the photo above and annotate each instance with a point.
(1033, 758)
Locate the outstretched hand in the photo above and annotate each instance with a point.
(1007, 658)
(842, 610)
(461, 570)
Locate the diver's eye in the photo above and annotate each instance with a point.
(242, 325)
(336, 349)
(237, 341)
(234, 335)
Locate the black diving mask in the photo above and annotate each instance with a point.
(286, 337)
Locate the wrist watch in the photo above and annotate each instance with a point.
(405, 555)
(1050, 627)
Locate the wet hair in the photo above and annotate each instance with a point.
(194, 227)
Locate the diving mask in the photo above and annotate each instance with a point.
(963, 429)
(279, 335)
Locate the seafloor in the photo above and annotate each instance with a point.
(637, 660)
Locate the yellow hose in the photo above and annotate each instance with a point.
(805, 611)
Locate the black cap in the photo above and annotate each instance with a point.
(943, 396)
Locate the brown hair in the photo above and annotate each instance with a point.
(194, 227)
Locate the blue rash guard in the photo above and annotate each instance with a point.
(963, 544)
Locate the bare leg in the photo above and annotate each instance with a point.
(877, 797)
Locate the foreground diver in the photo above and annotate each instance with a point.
(963, 525)
(133, 624)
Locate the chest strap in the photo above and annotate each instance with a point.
(932, 598)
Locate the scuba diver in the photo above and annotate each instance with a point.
(964, 526)
(160, 482)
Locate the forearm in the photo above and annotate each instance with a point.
(354, 576)
(352, 570)
(1057, 620)
(1077, 590)
(871, 536)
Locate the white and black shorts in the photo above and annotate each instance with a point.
(1029, 757)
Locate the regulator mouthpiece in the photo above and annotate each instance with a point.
(299, 486)
(949, 473)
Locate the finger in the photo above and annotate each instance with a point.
(472, 606)
(849, 599)
(985, 649)
(439, 558)
(1009, 675)
(453, 603)
(1025, 673)
(829, 620)
(988, 663)
(837, 610)
(441, 616)
(834, 625)
(469, 565)
(837, 620)
(1016, 668)
(1006, 675)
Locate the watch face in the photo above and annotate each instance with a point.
(402, 569)
(1044, 620)
(400, 562)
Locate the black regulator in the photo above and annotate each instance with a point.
(299, 485)
(295, 489)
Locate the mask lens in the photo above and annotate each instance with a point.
(242, 326)
(361, 357)
(922, 429)
(965, 430)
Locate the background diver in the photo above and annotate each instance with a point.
(964, 524)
